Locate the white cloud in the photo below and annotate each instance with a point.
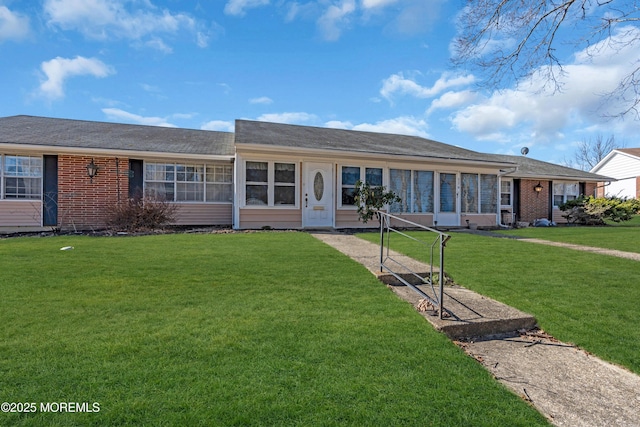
(219, 125)
(399, 84)
(239, 7)
(335, 18)
(543, 114)
(452, 99)
(372, 4)
(102, 19)
(288, 118)
(406, 125)
(121, 115)
(338, 124)
(58, 70)
(13, 25)
(264, 100)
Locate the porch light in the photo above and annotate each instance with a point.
(538, 188)
(92, 170)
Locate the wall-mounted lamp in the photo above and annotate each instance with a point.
(92, 170)
(537, 188)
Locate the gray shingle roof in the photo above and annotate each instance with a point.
(67, 133)
(295, 136)
(537, 169)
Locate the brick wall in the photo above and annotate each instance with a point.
(84, 204)
(534, 205)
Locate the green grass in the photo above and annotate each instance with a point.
(583, 298)
(256, 329)
(623, 236)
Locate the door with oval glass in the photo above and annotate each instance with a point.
(317, 196)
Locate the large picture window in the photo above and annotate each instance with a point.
(178, 182)
(351, 175)
(21, 177)
(415, 189)
(479, 193)
(270, 184)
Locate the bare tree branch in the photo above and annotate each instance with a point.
(508, 41)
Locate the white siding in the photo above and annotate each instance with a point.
(625, 168)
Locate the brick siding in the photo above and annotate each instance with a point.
(83, 204)
(534, 205)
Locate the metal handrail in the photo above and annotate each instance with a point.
(389, 263)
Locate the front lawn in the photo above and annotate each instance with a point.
(583, 298)
(623, 236)
(226, 329)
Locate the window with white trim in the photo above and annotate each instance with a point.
(270, 184)
(181, 182)
(565, 191)
(351, 175)
(415, 189)
(505, 192)
(21, 177)
(479, 193)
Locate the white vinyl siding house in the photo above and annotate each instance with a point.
(624, 165)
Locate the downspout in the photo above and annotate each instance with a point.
(500, 175)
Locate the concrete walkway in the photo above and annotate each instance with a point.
(567, 385)
(602, 251)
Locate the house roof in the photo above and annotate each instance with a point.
(65, 133)
(537, 169)
(631, 151)
(102, 136)
(309, 137)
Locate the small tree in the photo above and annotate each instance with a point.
(370, 200)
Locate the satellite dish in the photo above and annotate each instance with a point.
(524, 151)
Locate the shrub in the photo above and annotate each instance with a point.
(141, 213)
(594, 211)
(370, 199)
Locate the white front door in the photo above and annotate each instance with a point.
(317, 195)
(448, 213)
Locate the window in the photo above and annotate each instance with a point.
(565, 191)
(284, 190)
(488, 193)
(505, 192)
(177, 182)
(469, 193)
(21, 177)
(219, 183)
(484, 197)
(189, 183)
(415, 188)
(270, 184)
(351, 175)
(257, 175)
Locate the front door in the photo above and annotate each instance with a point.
(448, 213)
(317, 195)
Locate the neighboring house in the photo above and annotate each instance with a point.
(623, 164)
(264, 175)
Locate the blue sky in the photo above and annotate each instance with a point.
(375, 65)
